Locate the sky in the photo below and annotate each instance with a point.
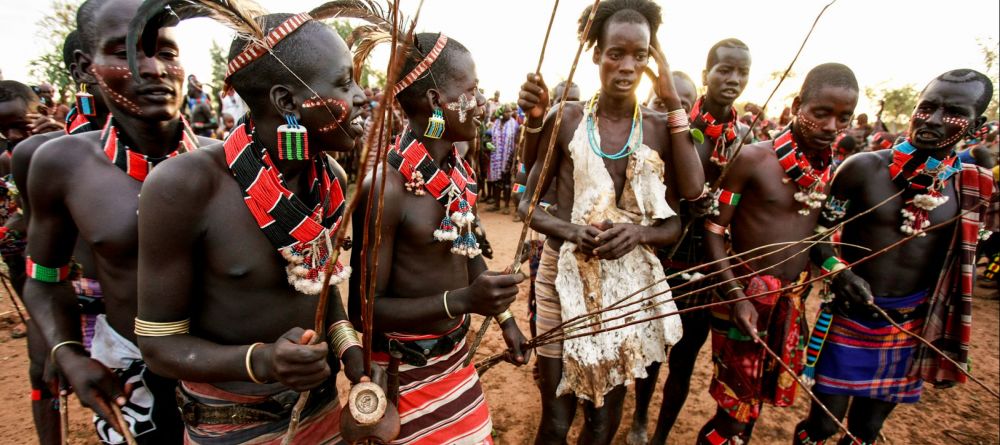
(888, 43)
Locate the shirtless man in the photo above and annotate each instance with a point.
(87, 186)
(727, 71)
(431, 275)
(224, 299)
(87, 289)
(19, 120)
(22, 116)
(780, 202)
(593, 232)
(535, 243)
(864, 363)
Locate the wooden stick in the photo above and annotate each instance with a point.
(783, 289)
(686, 294)
(534, 344)
(820, 235)
(324, 296)
(64, 411)
(368, 289)
(13, 300)
(935, 349)
(515, 267)
(808, 391)
(120, 419)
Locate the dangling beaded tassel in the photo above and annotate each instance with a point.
(435, 124)
(293, 140)
(85, 102)
(446, 230)
(463, 216)
(472, 249)
(458, 246)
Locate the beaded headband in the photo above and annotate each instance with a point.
(422, 66)
(255, 51)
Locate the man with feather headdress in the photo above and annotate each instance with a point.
(434, 276)
(263, 208)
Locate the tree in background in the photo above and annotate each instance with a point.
(219, 66)
(989, 48)
(899, 104)
(369, 76)
(53, 28)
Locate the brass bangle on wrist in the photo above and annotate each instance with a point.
(52, 352)
(249, 364)
(504, 316)
(342, 337)
(447, 311)
(735, 287)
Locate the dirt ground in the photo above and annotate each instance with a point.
(964, 415)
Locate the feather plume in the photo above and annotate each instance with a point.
(242, 16)
(368, 10)
(363, 41)
(365, 38)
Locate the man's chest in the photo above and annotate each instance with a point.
(881, 196)
(104, 202)
(233, 246)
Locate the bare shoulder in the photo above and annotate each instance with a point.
(23, 151)
(63, 155)
(393, 183)
(190, 177)
(755, 154)
(862, 165)
(572, 114)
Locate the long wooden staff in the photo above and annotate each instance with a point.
(808, 391)
(491, 361)
(593, 319)
(865, 259)
(537, 193)
(13, 299)
(536, 342)
(64, 411)
(120, 419)
(338, 238)
(367, 289)
(753, 124)
(538, 72)
(787, 245)
(933, 348)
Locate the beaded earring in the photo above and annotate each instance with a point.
(293, 140)
(85, 102)
(435, 124)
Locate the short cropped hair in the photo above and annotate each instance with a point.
(441, 71)
(614, 11)
(713, 54)
(827, 75)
